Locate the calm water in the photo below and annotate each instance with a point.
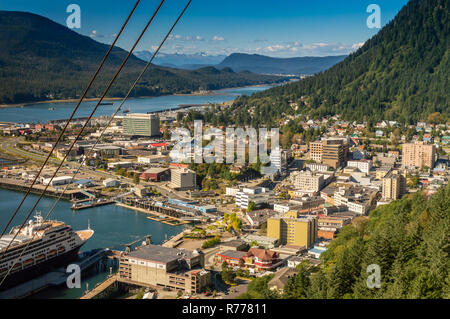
(114, 226)
(41, 113)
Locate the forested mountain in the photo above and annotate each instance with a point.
(408, 239)
(43, 60)
(402, 73)
(269, 65)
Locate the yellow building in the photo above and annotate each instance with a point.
(293, 229)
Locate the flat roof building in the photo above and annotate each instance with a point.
(141, 125)
(165, 267)
(294, 229)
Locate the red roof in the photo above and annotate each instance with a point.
(262, 254)
(158, 144)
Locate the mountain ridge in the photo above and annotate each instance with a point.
(42, 60)
(399, 74)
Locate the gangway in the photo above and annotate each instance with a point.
(92, 196)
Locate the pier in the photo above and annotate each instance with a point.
(57, 277)
(112, 285)
(168, 215)
(80, 206)
(17, 185)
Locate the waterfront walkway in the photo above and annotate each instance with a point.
(101, 287)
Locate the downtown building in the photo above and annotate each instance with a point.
(257, 195)
(394, 186)
(183, 179)
(418, 155)
(157, 266)
(141, 125)
(293, 229)
(331, 152)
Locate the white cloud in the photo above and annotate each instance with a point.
(217, 38)
(95, 34)
(356, 46)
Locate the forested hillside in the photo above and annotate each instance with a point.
(402, 73)
(43, 60)
(408, 239)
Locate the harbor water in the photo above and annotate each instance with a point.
(58, 111)
(114, 227)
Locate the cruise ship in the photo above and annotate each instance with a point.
(50, 243)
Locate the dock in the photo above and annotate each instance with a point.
(18, 185)
(51, 279)
(80, 206)
(157, 216)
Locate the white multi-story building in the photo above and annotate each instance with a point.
(275, 158)
(183, 178)
(357, 200)
(316, 167)
(258, 195)
(363, 165)
(306, 180)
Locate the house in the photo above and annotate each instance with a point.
(281, 278)
(261, 259)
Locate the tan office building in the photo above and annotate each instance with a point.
(307, 181)
(332, 152)
(418, 155)
(394, 186)
(183, 178)
(165, 267)
(293, 229)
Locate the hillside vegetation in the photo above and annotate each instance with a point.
(43, 60)
(402, 73)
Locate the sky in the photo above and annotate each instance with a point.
(278, 28)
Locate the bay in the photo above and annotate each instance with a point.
(114, 227)
(41, 113)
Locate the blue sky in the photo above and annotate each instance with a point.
(280, 28)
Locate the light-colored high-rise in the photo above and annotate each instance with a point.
(418, 155)
(141, 124)
(293, 229)
(394, 185)
(306, 180)
(183, 178)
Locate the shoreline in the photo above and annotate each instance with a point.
(208, 93)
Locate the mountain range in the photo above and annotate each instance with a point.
(402, 73)
(245, 62)
(43, 60)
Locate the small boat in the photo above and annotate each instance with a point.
(52, 108)
(51, 252)
(61, 249)
(40, 257)
(126, 111)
